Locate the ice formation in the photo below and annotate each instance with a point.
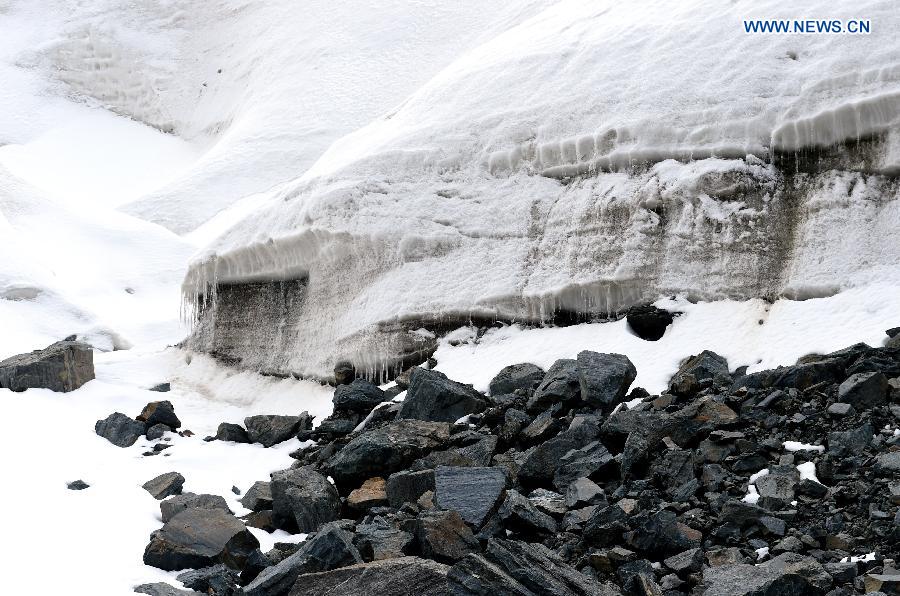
(591, 157)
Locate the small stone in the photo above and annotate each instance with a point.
(162, 387)
(174, 505)
(232, 432)
(839, 410)
(157, 431)
(119, 429)
(77, 485)
(164, 485)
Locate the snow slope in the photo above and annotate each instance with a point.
(590, 157)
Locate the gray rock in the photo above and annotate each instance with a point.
(270, 429)
(380, 540)
(386, 450)
(331, 548)
(704, 366)
(407, 487)
(162, 589)
(119, 429)
(511, 568)
(357, 396)
(516, 377)
(541, 464)
(433, 397)
(787, 574)
(406, 576)
(543, 427)
(77, 485)
(551, 503)
(779, 484)
(582, 492)
(159, 412)
(839, 410)
(887, 583)
(520, 515)
(232, 432)
(472, 492)
(662, 534)
(164, 485)
(259, 497)
(864, 390)
(172, 506)
(218, 580)
(162, 387)
(580, 463)
(689, 561)
(604, 378)
(63, 366)
(850, 442)
(561, 384)
(198, 538)
(344, 373)
(303, 499)
(444, 536)
(888, 462)
(157, 431)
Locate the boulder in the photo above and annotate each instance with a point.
(332, 547)
(119, 429)
(303, 499)
(372, 493)
(561, 385)
(520, 515)
(704, 366)
(786, 574)
(174, 505)
(510, 568)
(258, 497)
(386, 450)
(444, 536)
(662, 534)
(232, 432)
(604, 378)
(433, 397)
(406, 576)
(270, 429)
(381, 540)
(159, 412)
(357, 396)
(63, 366)
(864, 390)
(164, 485)
(648, 322)
(77, 485)
(516, 377)
(217, 580)
(157, 431)
(541, 464)
(198, 538)
(472, 492)
(407, 486)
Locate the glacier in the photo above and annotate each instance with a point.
(588, 158)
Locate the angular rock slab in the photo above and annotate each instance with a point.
(63, 366)
(119, 429)
(604, 378)
(786, 574)
(516, 377)
(198, 538)
(405, 576)
(172, 506)
(164, 485)
(303, 499)
(433, 397)
(271, 429)
(472, 492)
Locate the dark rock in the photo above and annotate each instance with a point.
(386, 450)
(522, 377)
(648, 322)
(119, 429)
(161, 589)
(162, 387)
(303, 499)
(841, 572)
(232, 432)
(662, 534)
(407, 487)
(380, 540)
(198, 538)
(864, 390)
(541, 464)
(604, 378)
(704, 366)
(560, 385)
(444, 536)
(887, 583)
(331, 548)
(406, 576)
(583, 492)
(344, 373)
(510, 568)
(305, 426)
(472, 492)
(544, 426)
(358, 396)
(217, 580)
(159, 412)
(433, 397)
(744, 516)
(77, 485)
(165, 485)
(270, 429)
(850, 442)
(551, 503)
(689, 561)
(372, 493)
(799, 376)
(520, 515)
(839, 410)
(157, 431)
(888, 462)
(172, 506)
(264, 520)
(580, 463)
(787, 574)
(811, 488)
(514, 421)
(63, 366)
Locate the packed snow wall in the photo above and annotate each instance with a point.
(595, 156)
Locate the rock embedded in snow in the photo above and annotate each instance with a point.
(258, 497)
(271, 429)
(77, 485)
(604, 378)
(164, 485)
(516, 377)
(197, 538)
(119, 429)
(162, 387)
(705, 366)
(303, 499)
(232, 432)
(359, 395)
(649, 322)
(864, 390)
(404, 576)
(159, 412)
(172, 506)
(63, 366)
(157, 431)
(433, 397)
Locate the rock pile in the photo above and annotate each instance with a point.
(783, 481)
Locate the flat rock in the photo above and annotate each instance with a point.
(174, 505)
(472, 492)
(787, 574)
(119, 429)
(433, 397)
(63, 366)
(162, 589)
(405, 576)
(164, 485)
(198, 538)
(303, 499)
(271, 429)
